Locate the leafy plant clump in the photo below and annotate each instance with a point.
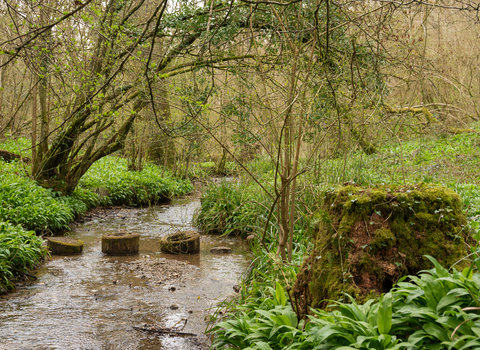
(437, 310)
(232, 208)
(368, 238)
(20, 250)
(114, 184)
(24, 202)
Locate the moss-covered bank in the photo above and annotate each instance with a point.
(367, 238)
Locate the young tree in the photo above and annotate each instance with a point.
(106, 67)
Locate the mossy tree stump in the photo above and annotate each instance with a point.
(368, 238)
(121, 243)
(64, 245)
(186, 242)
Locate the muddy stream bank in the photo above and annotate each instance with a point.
(93, 301)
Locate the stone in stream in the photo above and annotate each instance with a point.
(220, 250)
(64, 245)
(121, 243)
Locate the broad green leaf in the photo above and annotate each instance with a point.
(281, 320)
(446, 301)
(436, 331)
(441, 271)
(263, 346)
(384, 318)
(473, 344)
(467, 272)
(280, 294)
(476, 330)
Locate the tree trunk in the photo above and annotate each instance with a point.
(34, 126)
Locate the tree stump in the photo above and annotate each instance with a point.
(64, 245)
(187, 242)
(368, 238)
(121, 243)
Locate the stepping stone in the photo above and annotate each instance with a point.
(121, 243)
(64, 245)
(186, 242)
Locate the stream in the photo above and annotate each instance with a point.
(93, 301)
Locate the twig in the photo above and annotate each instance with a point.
(24, 273)
(160, 330)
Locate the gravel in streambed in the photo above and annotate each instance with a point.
(159, 270)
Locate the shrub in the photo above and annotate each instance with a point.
(24, 202)
(110, 178)
(20, 250)
(232, 208)
(88, 197)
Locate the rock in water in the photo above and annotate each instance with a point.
(121, 243)
(220, 250)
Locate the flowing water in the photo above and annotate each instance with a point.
(92, 301)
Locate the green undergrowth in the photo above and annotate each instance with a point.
(436, 310)
(20, 250)
(206, 170)
(108, 182)
(437, 159)
(21, 146)
(242, 207)
(26, 207)
(114, 184)
(232, 208)
(24, 202)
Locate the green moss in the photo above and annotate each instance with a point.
(69, 243)
(368, 238)
(65, 246)
(383, 239)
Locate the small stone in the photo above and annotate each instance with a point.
(94, 290)
(220, 250)
(174, 307)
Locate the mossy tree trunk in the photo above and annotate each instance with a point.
(368, 238)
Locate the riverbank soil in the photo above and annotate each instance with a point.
(368, 238)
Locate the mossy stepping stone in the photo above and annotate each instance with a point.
(186, 242)
(121, 243)
(64, 245)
